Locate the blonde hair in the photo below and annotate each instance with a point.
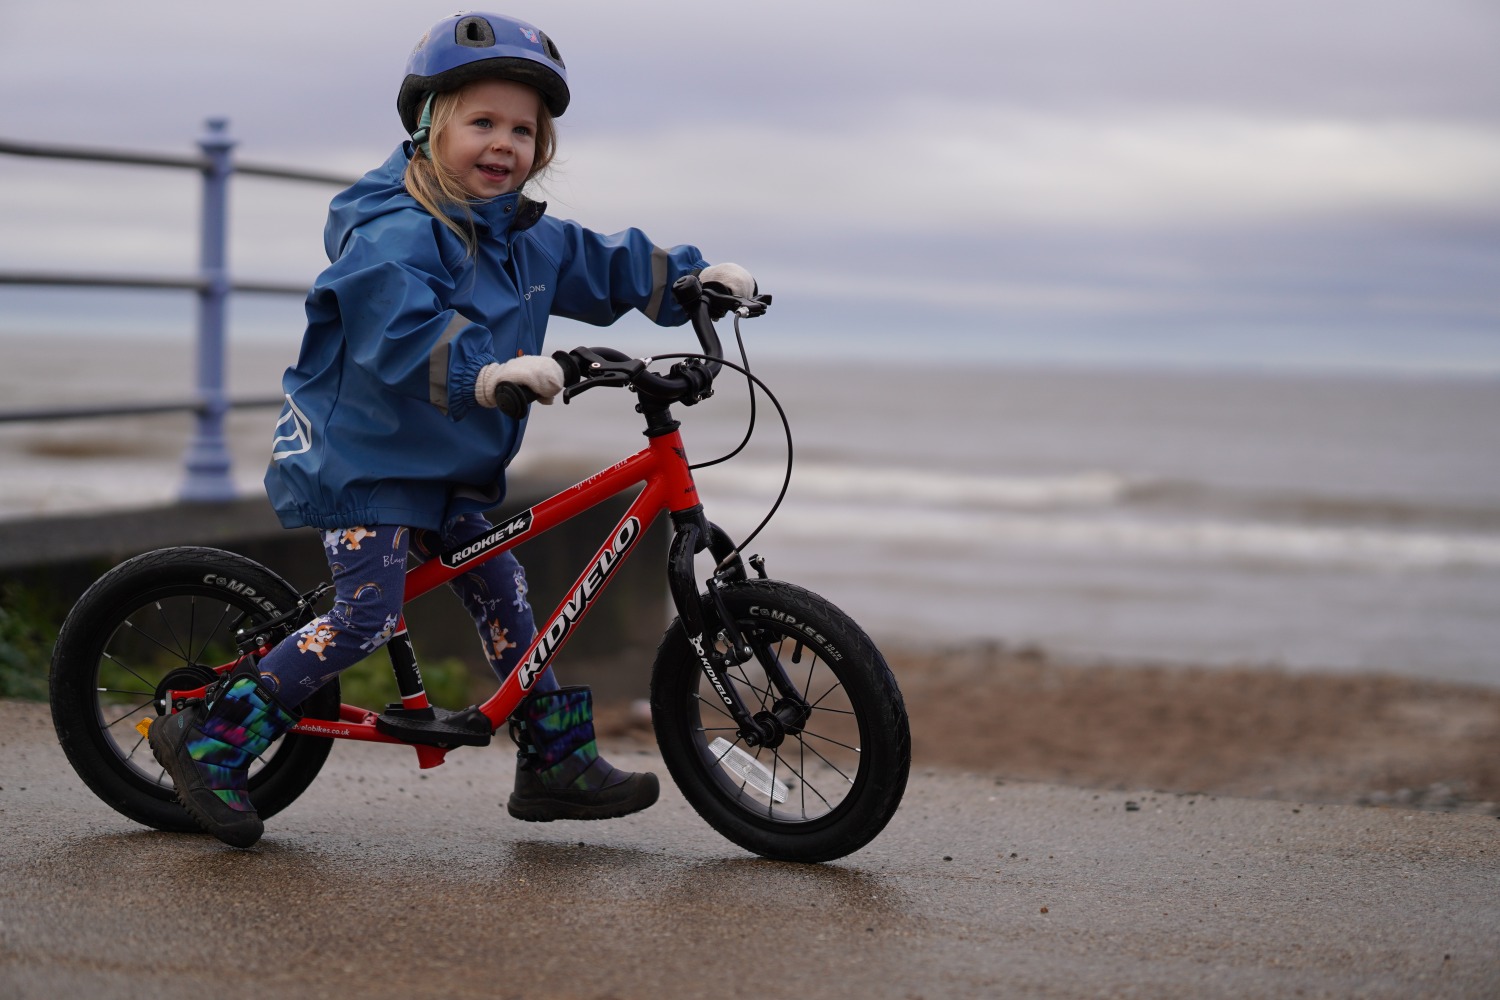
(436, 187)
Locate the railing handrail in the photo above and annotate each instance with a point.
(189, 283)
(93, 154)
(50, 413)
(206, 460)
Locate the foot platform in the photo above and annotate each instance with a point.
(436, 727)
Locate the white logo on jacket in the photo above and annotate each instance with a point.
(294, 431)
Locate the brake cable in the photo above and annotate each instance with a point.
(750, 383)
(753, 380)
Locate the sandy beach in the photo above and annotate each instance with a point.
(1249, 733)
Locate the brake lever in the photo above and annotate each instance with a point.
(595, 370)
(722, 303)
(757, 306)
(584, 385)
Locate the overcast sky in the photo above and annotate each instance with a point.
(1079, 180)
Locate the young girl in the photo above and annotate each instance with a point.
(442, 278)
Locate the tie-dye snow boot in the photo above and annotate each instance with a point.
(559, 773)
(208, 746)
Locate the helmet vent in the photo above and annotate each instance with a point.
(551, 50)
(474, 32)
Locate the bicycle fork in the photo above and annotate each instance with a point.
(717, 640)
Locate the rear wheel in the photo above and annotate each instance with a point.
(165, 620)
(842, 752)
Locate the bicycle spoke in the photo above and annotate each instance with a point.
(211, 633)
(764, 690)
(831, 764)
(761, 693)
(129, 712)
(728, 750)
(128, 669)
(804, 784)
(829, 739)
(183, 652)
(771, 799)
(715, 706)
(837, 685)
(821, 798)
(153, 639)
(192, 626)
(715, 729)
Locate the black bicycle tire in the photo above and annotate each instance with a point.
(78, 713)
(761, 608)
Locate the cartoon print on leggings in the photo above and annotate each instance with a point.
(383, 636)
(521, 606)
(499, 640)
(348, 539)
(317, 638)
(397, 555)
(333, 638)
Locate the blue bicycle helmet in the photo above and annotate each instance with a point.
(478, 46)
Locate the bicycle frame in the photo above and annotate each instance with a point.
(668, 486)
(662, 466)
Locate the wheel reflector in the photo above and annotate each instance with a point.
(745, 767)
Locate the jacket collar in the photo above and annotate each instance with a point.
(512, 212)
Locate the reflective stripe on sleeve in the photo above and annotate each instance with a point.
(659, 262)
(437, 362)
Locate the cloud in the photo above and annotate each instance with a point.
(1061, 166)
(976, 168)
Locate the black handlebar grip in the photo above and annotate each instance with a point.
(512, 399)
(687, 290)
(569, 365)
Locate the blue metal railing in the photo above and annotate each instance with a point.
(206, 461)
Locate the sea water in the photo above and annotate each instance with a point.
(1292, 520)
(1302, 521)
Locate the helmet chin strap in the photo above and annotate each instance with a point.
(424, 127)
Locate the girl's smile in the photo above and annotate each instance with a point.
(490, 143)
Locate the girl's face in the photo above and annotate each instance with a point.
(490, 143)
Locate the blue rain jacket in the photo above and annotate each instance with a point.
(380, 424)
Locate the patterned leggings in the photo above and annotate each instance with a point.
(369, 576)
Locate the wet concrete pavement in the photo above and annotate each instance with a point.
(385, 881)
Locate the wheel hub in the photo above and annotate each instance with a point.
(772, 732)
(182, 679)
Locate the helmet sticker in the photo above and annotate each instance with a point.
(532, 35)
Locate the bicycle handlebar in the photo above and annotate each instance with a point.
(687, 382)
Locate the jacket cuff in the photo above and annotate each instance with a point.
(461, 399)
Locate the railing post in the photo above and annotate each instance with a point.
(206, 461)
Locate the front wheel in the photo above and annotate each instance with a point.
(838, 770)
(168, 619)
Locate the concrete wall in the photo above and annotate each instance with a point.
(612, 651)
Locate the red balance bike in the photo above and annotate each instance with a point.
(776, 716)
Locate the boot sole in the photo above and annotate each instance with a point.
(539, 809)
(241, 834)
